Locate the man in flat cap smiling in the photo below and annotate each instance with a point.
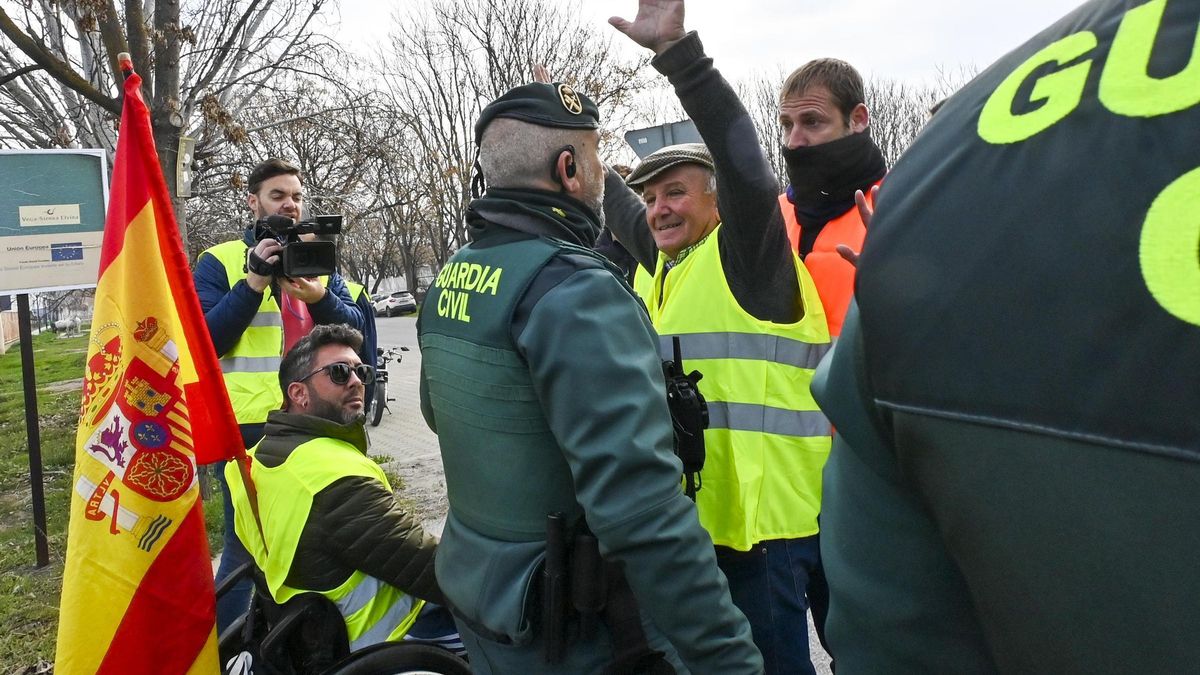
(749, 318)
(540, 374)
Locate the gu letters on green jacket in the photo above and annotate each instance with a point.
(459, 282)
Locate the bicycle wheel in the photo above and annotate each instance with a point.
(379, 403)
(402, 658)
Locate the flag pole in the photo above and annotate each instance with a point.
(125, 62)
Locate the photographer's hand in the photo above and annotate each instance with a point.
(268, 250)
(306, 289)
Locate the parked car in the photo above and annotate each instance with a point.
(395, 304)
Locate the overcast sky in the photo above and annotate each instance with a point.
(883, 38)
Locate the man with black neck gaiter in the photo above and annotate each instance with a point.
(830, 155)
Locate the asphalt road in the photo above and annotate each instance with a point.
(402, 434)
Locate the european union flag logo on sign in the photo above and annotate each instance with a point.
(69, 251)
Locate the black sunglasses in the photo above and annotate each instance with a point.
(339, 373)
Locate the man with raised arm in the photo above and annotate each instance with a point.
(749, 318)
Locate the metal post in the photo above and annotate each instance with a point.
(29, 379)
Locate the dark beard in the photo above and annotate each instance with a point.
(334, 413)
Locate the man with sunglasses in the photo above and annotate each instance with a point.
(327, 519)
(252, 320)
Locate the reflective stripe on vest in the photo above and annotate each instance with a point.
(267, 321)
(249, 364)
(757, 346)
(762, 418)
(373, 610)
(767, 440)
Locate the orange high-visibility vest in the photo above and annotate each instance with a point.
(833, 276)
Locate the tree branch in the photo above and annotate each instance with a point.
(55, 67)
(17, 73)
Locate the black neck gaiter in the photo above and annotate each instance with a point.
(824, 177)
(537, 212)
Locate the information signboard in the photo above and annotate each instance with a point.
(646, 141)
(52, 208)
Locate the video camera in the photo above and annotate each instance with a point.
(301, 258)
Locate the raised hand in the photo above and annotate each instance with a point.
(541, 74)
(659, 24)
(848, 254)
(865, 209)
(866, 212)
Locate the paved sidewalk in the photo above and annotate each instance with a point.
(403, 434)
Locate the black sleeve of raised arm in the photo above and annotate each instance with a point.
(625, 216)
(753, 239)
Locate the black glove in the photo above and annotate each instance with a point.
(259, 266)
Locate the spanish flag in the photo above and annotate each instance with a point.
(137, 589)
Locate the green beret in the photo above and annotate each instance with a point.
(546, 105)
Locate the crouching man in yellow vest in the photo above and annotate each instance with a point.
(329, 522)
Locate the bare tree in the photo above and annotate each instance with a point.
(760, 94)
(331, 131)
(203, 64)
(449, 60)
(898, 113)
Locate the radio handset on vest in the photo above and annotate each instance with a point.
(689, 417)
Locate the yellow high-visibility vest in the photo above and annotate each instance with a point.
(355, 288)
(643, 283)
(374, 611)
(767, 440)
(251, 366)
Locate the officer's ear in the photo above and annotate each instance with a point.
(565, 170)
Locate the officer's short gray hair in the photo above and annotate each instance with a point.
(513, 153)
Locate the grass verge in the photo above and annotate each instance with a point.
(29, 596)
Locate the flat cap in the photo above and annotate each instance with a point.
(664, 158)
(544, 104)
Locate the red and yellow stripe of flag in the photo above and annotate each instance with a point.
(137, 589)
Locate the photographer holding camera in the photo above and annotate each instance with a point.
(255, 312)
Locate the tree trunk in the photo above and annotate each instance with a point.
(166, 139)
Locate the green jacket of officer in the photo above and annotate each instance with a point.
(540, 375)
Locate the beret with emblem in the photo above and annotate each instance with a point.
(546, 105)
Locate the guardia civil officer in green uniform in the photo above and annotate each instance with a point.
(540, 375)
(1015, 484)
